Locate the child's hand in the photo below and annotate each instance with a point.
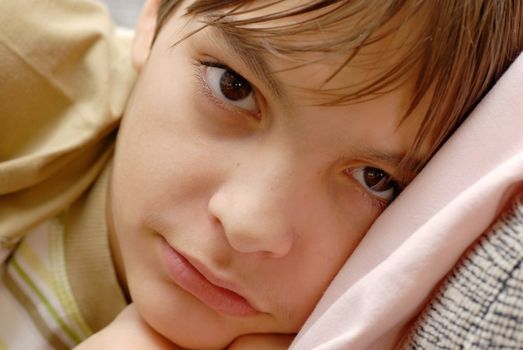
(128, 331)
(262, 342)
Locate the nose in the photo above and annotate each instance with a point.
(257, 209)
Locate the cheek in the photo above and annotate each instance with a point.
(152, 166)
(327, 240)
(160, 157)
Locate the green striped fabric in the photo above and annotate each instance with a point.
(38, 306)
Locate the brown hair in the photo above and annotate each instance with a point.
(462, 48)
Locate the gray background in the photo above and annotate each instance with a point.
(125, 12)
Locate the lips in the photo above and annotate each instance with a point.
(193, 281)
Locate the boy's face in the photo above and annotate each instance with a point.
(234, 200)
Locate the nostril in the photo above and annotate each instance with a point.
(254, 234)
(256, 239)
(243, 242)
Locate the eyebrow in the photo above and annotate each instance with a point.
(251, 58)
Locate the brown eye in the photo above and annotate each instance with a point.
(376, 181)
(234, 86)
(230, 87)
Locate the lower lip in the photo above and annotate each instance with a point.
(187, 277)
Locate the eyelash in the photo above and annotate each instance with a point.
(200, 66)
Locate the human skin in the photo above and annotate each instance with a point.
(127, 332)
(130, 332)
(263, 197)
